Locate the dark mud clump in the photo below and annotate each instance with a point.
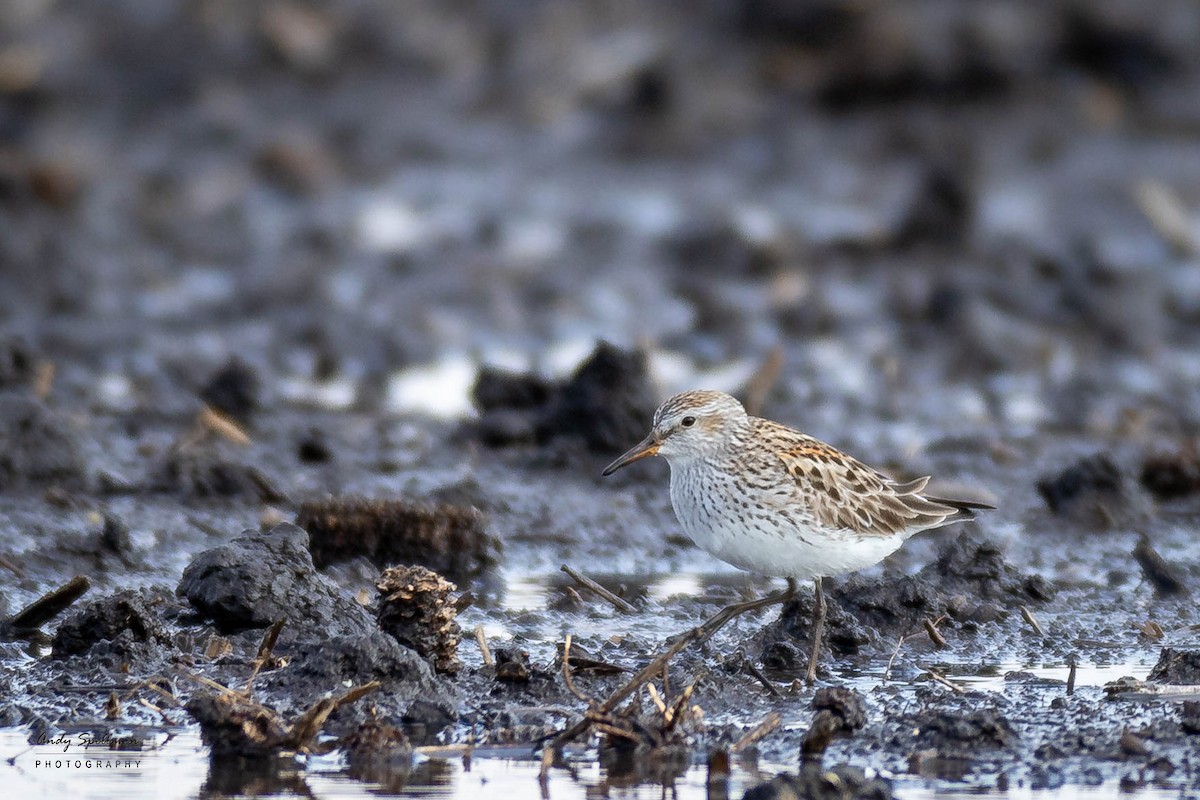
(376, 751)
(121, 621)
(950, 734)
(18, 362)
(36, 445)
(410, 694)
(846, 705)
(328, 639)
(967, 584)
(259, 578)
(973, 566)
(1176, 666)
(236, 726)
(233, 390)
(512, 665)
(815, 782)
(607, 403)
(1164, 577)
(839, 711)
(1091, 491)
(210, 468)
(1169, 477)
(448, 539)
(417, 607)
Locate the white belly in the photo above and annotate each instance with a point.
(767, 544)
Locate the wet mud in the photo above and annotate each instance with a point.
(317, 326)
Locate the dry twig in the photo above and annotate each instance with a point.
(755, 734)
(481, 640)
(1028, 616)
(589, 584)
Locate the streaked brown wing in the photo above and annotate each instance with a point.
(845, 494)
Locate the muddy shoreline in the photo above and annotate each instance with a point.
(293, 295)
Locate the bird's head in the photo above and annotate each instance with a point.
(687, 426)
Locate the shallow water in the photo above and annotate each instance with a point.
(178, 768)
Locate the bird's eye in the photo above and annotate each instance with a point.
(687, 422)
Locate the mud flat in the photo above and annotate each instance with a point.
(318, 325)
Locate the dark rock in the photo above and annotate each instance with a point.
(103, 620)
(36, 445)
(1176, 667)
(259, 578)
(940, 210)
(718, 247)
(417, 607)
(815, 782)
(233, 390)
(448, 539)
(115, 537)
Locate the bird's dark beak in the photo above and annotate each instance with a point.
(644, 449)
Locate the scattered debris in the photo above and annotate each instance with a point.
(417, 607)
(450, 540)
(484, 650)
(232, 724)
(758, 732)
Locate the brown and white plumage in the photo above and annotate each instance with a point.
(775, 501)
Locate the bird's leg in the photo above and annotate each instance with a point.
(818, 629)
(705, 632)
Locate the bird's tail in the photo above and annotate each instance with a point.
(966, 509)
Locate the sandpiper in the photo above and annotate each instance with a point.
(777, 502)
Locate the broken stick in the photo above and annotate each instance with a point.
(589, 584)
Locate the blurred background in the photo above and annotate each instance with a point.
(962, 215)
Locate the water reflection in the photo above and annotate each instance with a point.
(180, 768)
